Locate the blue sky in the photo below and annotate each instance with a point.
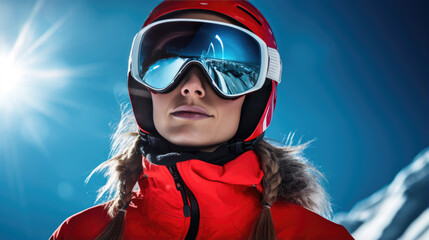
(355, 79)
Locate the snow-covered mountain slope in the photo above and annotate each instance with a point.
(397, 211)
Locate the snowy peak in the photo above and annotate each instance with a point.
(397, 211)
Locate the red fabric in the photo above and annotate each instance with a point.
(228, 199)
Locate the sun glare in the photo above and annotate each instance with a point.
(30, 79)
(11, 76)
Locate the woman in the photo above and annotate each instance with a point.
(202, 82)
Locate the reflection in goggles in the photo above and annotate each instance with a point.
(228, 76)
(230, 57)
(213, 48)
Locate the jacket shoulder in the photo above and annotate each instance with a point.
(292, 221)
(83, 225)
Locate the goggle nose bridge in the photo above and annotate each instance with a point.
(186, 67)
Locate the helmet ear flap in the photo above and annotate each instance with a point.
(252, 110)
(141, 102)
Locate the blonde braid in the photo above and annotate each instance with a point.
(128, 168)
(264, 228)
(272, 178)
(288, 177)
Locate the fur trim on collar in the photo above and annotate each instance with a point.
(301, 182)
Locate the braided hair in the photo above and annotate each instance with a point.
(288, 177)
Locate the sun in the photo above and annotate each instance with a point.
(30, 77)
(10, 77)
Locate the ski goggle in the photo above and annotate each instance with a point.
(235, 60)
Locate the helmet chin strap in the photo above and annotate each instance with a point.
(158, 150)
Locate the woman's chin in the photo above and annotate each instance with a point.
(199, 144)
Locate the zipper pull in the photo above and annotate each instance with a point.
(186, 207)
(179, 187)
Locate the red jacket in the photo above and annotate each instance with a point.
(228, 205)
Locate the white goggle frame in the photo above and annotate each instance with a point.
(271, 65)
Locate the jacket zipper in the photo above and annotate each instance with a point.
(192, 211)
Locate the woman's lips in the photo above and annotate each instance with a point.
(190, 112)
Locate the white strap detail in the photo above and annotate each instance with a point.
(275, 65)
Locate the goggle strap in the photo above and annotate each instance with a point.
(275, 65)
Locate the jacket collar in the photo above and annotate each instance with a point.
(158, 150)
(236, 182)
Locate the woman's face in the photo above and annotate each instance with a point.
(192, 114)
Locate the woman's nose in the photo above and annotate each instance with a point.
(193, 85)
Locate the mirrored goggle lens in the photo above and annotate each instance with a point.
(231, 57)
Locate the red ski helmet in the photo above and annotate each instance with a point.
(258, 107)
